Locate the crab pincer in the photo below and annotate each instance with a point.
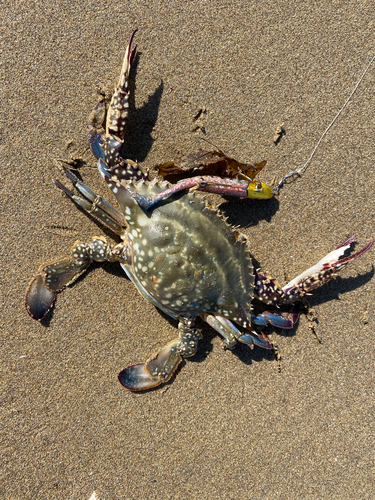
(108, 125)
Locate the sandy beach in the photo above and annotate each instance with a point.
(230, 424)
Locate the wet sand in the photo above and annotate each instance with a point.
(230, 425)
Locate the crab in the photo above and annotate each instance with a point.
(177, 249)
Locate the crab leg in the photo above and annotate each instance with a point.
(108, 148)
(93, 204)
(269, 291)
(231, 334)
(55, 275)
(210, 184)
(159, 368)
(226, 329)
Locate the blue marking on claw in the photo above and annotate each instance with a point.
(102, 167)
(96, 145)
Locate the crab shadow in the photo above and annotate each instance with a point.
(339, 286)
(141, 121)
(248, 213)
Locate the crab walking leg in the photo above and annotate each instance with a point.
(210, 184)
(108, 147)
(225, 328)
(159, 368)
(55, 275)
(269, 291)
(231, 334)
(93, 204)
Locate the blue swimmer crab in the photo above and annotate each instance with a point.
(177, 249)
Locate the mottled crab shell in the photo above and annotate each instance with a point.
(186, 259)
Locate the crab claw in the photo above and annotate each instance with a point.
(107, 146)
(279, 320)
(38, 299)
(157, 370)
(118, 108)
(322, 272)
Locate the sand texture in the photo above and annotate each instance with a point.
(230, 425)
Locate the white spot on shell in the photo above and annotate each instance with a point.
(142, 221)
